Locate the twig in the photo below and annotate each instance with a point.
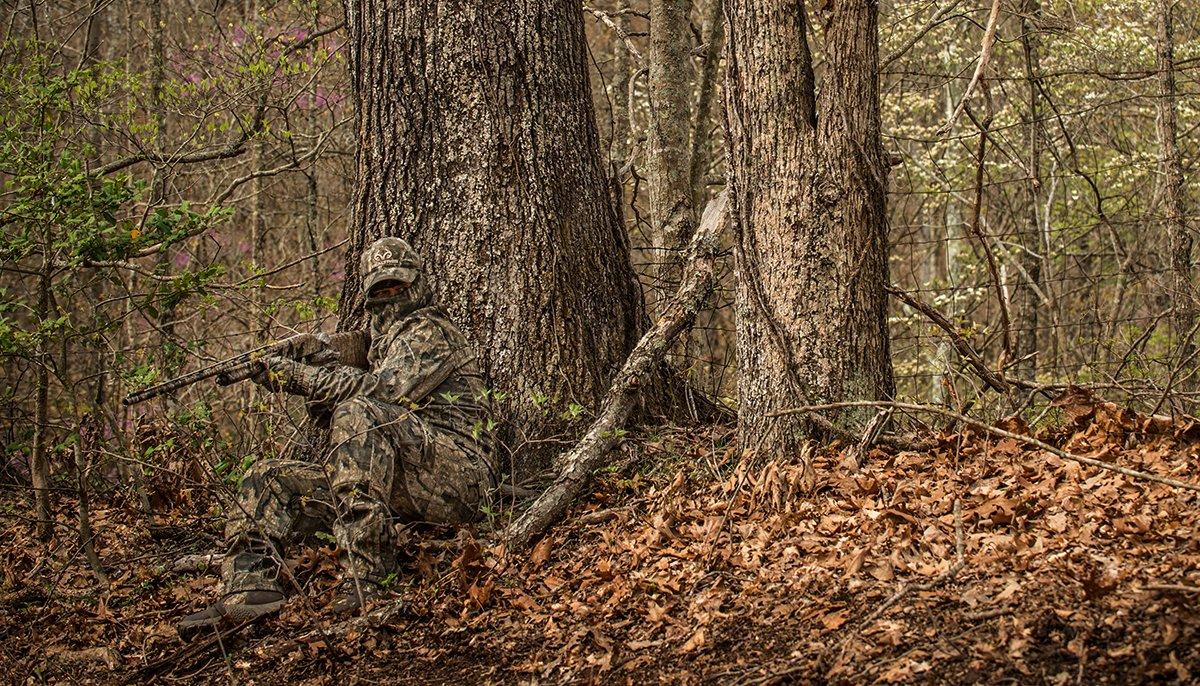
(985, 52)
(1176, 588)
(601, 516)
(987, 614)
(191, 650)
(236, 146)
(606, 17)
(977, 232)
(197, 562)
(995, 431)
(933, 23)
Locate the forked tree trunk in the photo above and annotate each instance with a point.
(808, 180)
(478, 144)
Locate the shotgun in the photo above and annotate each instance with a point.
(349, 348)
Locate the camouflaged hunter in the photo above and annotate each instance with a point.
(408, 444)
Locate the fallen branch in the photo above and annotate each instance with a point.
(197, 562)
(899, 443)
(995, 431)
(695, 286)
(1171, 588)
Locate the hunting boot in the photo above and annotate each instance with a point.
(231, 610)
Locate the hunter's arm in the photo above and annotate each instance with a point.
(417, 364)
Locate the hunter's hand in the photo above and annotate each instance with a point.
(305, 345)
(279, 373)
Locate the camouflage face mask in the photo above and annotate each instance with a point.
(393, 280)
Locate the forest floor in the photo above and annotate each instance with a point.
(974, 561)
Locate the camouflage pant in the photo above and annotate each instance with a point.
(386, 464)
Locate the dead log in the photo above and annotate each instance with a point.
(677, 316)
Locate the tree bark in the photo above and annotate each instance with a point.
(669, 159)
(1027, 303)
(714, 36)
(808, 180)
(39, 461)
(478, 144)
(1184, 297)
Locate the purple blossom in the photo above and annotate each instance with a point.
(181, 259)
(18, 464)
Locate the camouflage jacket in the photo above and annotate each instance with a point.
(421, 363)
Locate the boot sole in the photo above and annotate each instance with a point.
(246, 613)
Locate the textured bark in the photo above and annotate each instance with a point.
(623, 63)
(1027, 304)
(714, 37)
(1185, 301)
(808, 183)
(39, 460)
(669, 160)
(478, 144)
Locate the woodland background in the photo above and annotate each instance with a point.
(180, 185)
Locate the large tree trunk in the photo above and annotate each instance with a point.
(1184, 295)
(808, 178)
(478, 144)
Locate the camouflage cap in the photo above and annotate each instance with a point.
(389, 259)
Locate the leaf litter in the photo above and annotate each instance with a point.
(692, 564)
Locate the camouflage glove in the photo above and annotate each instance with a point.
(278, 373)
(305, 346)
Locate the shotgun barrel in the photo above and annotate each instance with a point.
(348, 348)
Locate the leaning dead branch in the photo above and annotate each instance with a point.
(985, 52)
(995, 431)
(960, 344)
(590, 452)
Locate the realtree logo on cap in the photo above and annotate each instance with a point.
(381, 256)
